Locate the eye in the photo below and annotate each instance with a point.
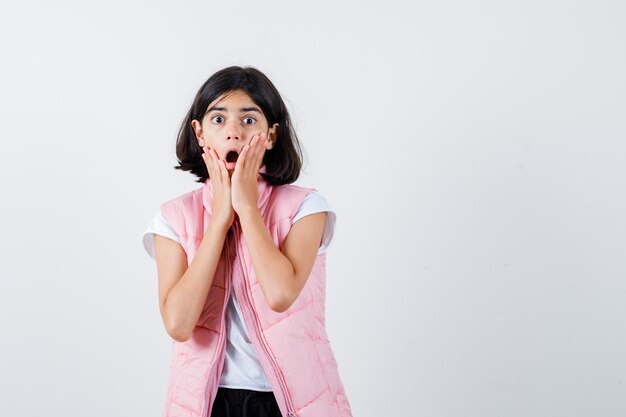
(249, 118)
(214, 117)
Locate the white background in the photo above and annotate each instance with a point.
(473, 151)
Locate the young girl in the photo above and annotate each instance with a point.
(241, 263)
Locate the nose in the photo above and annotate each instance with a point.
(233, 131)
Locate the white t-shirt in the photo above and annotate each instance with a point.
(242, 368)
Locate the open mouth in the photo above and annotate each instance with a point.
(232, 156)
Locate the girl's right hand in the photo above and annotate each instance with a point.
(223, 212)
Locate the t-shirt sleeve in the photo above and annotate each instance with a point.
(314, 202)
(159, 226)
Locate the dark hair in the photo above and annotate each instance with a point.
(283, 162)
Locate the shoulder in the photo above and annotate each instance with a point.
(315, 202)
(183, 199)
(158, 226)
(184, 211)
(302, 200)
(292, 191)
(315, 198)
(286, 199)
(183, 205)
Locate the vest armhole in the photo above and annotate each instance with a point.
(299, 194)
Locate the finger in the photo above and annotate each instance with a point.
(206, 156)
(254, 154)
(263, 146)
(241, 161)
(220, 167)
(224, 174)
(215, 166)
(259, 152)
(209, 159)
(257, 144)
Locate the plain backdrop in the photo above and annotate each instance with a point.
(473, 151)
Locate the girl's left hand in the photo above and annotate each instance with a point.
(244, 181)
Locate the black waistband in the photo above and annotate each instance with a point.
(239, 396)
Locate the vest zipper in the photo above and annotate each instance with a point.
(205, 407)
(277, 372)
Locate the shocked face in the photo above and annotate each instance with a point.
(229, 124)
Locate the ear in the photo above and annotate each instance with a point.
(197, 127)
(272, 135)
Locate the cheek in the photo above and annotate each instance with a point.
(259, 128)
(210, 138)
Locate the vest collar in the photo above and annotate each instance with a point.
(265, 189)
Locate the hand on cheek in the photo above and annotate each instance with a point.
(245, 192)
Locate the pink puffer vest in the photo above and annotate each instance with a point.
(293, 346)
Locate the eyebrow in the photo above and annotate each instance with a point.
(242, 109)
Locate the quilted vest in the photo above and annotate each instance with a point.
(292, 346)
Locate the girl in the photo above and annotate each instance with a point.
(241, 263)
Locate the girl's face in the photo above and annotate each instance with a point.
(230, 123)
